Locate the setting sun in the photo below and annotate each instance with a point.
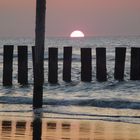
(77, 33)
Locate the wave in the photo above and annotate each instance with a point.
(102, 103)
(117, 104)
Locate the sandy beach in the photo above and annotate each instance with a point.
(21, 128)
(77, 110)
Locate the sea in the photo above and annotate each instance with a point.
(110, 101)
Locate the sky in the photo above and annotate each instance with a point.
(93, 17)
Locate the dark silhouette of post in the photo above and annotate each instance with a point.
(23, 65)
(39, 53)
(8, 65)
(101, 72)
(135, 64)
(86, 65)
(67, 58)
(37, 128)
(53, 66)
(120, 54)
(33, 58)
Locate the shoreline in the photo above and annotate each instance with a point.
(74, 129)
(47, 112)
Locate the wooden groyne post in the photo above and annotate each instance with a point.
(120, 54)
(101, 72)
(86, 64)
(33, 58)
(23, 65)
(135, 64)
(53, 66)
(67, 59)
(8, 65)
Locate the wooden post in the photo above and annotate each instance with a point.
(23, 65)
(120, 54)
(101, 72)
(53, 65)
(86, 64)
(135, 64)
(40, 35)
(33, 58)
(38, 82)
(39, 54)
(67, 58)
(8, 65)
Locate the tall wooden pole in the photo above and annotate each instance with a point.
(39, 53)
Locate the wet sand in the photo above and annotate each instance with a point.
(28, 128)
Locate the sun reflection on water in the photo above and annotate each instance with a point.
(58, 129)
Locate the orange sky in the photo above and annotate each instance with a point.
(93, 17)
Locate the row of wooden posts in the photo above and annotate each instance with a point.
(86, 64)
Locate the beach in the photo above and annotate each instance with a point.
(77, 110)
(70, 70)
(21, 128)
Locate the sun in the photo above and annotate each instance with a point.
(77, 33)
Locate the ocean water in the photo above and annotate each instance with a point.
(111, 100)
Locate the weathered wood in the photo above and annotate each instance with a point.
(38, 82)
(33, 58)
(67, 58)
(38, 95)
(135, 64)
(86, 64)
(53, 66)
(39, 53)
(23, 65)
(40, 23)
(120, 54)
(40, 35)
(101, 72)
(8, 65)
